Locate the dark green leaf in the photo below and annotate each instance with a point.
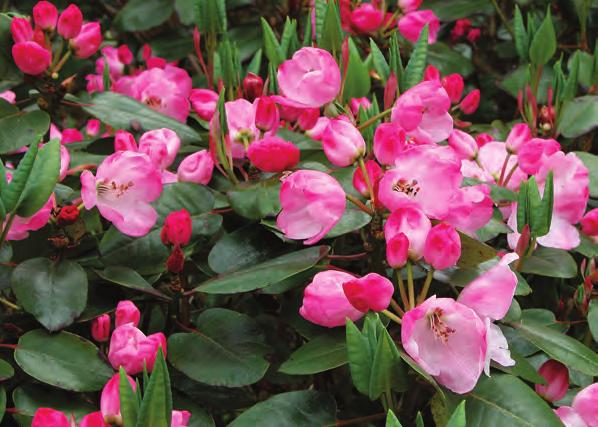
(352, 219)
(318, 355)
(456, 9)
(331, 36)
(593, 319)
(19, 130)
(387, 370)
(449, 60)
(6, 370)
(474, 252)
(414, 71)
(195, 198)
(380, 64)
(521, 36)
(156, 407)
(211, 16)
(392, 420)
(13, 192)
(128, 399)
(579, 116)
(271, 45)
(255, 201)
(543, 45)
(139, 15)
(550, 262)
(357, 80)
(128, 278)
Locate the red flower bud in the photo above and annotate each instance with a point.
(177, 228)
(70, 22)
(453, 84)
(557, 381)
(45, 15)
(124, 54)
(308, 118)
(266, 114)
(21, 30)
(100, 328)
(176, 260)
(67, 215)
(431, 73)
(473, 35)
(252, 86)
(374, 173)
(471, 102)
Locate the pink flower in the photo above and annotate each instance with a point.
(31, 58)
(88, 41)
(453, 84)
(124, 54)
(389, 143)
(409, 5)
(70, 22)
(556, 376)
(124, 185)
(318, 130)
(95, 83)
(461, 27)
(426, 176)
(92, 128)
(324, 301)
(48, 417)
(414, 224)
(473, 35)
(589, 223)
(130, 348)
(463, 144)
(21, 227)
(370, 292)
(412, 24)
(161, 146)
(45, 15)
(443, 246)
(492, 157)
(71, 135)
(126, 312)
(95, 419)
(422, 112)
(266, 114)
(397, 250)
(470, 102)
(312, 203)
(569, 417)
(366, 18)
(100, 328)
(431, 73)
(311, 78)
(110, 399)
(204, 103)
(308, 118)
(124, 141)
(196, 167)
(21, 30)
(448, 340)
(177, 228)
(532, 154)
(111, 58)
(520, 134)
(356, 103)
(483, 139)
(471, 208)
(342, 143)
(240, 116)
(586, 404)
(374, 173)
(180, 418)
(9, 96)
(273, 154)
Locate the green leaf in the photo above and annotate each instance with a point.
(380, 64)
(387, 370)
(331, 35)
(505, 400)
(474, 252)
(579, 116)
(561, 347)
(128, 399)
(305, 408)
(264, 274)
(195, 198)
(140, 15)
(543, 44)
(6, 370)
(122, 112)
(256, 200)
(13, 192)
(458, 417)
(449, 60)
(593, 319)
(211, 16)
(357, 80)
(227, 350)
(320, 354)
(256, 63)
(414, 71)
(541, 213)
(521, 36)
(128, 278)
(288, 41)
(396, 63)
(591, 162)
(523, 208)
(2, 402)
(55, 293)
(271, 46)
(392, 420)
(352, 219)
(186, 11)
(550, 262)
(456, 9)
(63, 360)
(42, 179)
(360, 357)
(19, 130)
(156, 407)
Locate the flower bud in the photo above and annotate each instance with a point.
(110, 400)
(390, 91)
(483, 139)
(431, 73)
(48, 417)
(355, 103)
(460, 28)
(342, 142)
(67, 215)
(308, 118)
(443, 246)
(161, 145)
(176, 260)
(70, 22)
(21, 30)
(366, 18)
(88, 40)
(124, 141)
(204, 103)
(453, 84)
(31, 58)
(124, 54)
(45, 15)
(180, 418)
(100, 328)
(409, 5)
(463, 144)
(177, 228)
(71, 135)
(397, 251)
(589, 223)
(473, 35)
(126, 312)
(370, 292)
(253, 86)
(374, 172)
(557, 380)
(470, 102)
(273, 154)
(196, 167)
(266, 114)
(92, 128)
(519, 135)
(412, 222)
(389, 142)
(9, 96)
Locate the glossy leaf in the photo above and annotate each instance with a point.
(591, 162)
(156, 407)
(392, 420)
(331, 35)
(579, 116)
(129, 406)
(550, 262)
(272, 47)
(357, 80)
(458, 417)
(128, 278)
(13, 192)
(543, 45)
(139, 15)
(6, 370)
(317, 355)
(22, 129)
(255, 201)
(414, 71)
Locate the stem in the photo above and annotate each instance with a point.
(503, 18)
(9, 304)
(402, 289)
(60, 64)
(410, 286)
(424, 293)
(504, 168)
(392, 316)
(368, 181)
(348, 257)
(374, 119)
(395, 305)
(359, 204)
(6, 229)
(510, 174)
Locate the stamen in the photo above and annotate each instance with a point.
(409, 188)
(440, 329)
(153, 101)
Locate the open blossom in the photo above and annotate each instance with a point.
(471, 208)
(196, 167)
(422, 112)
(556, 376)
(130, 348)
(535, 152)
(122, 189)
(312, 203)
(569, 417)
(412, 24)
(413, 224)
(585, 403)
(311, 78)
(240, 116)
(342, 142)
(273, 154)
(491, 157)
(324, 301)
(370, 292)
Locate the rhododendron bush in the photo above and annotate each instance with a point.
(298, 213)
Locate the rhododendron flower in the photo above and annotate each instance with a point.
(161, 146)
(20, 29)
(425, 176)
(519, 135)
(412, 24)
(204, 103)
(267, 116)
(534, 153)
(71, 135)
(122, 189)
(366, 18)
(370, 292)
(124, 141)
(45, 15)
(126, 312)
(448, 340)
(471, 208)
(324, 301)
(312, 203)
(556, 376)
(130, 348)
(177, 228)
(180, 418)
(311, 78)
(31, 58)
(569, 417)
(253, 86)
(342, 142)
(443, 246)
(422, 112)
(308, 118)
(240, 116)
(100, 328)
(9, 96)
(492, 157)
(463, 144)
(196, 167)
(409, 5)
(356, 103)
(110, 399)
(111, 58)
(397, 250)
(374, 173)
(470, 102)
(589, 223)
(95, 419)
(414, 224)
(453, 84)
(273, 154)
(585, 403)
(389, 143)
(70, 22)
(48, 417)
(88, 41)
(318, 130)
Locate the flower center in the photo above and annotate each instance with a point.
(440, 329)
(153, 101)
(116, 189)
(409, 188)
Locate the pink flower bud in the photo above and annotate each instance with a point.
(557, 380)
(288, 113)
(100, 328)
(204, 103)
(161, 146)
(176, 260)
(124, 141)
(589, 223)
(308, 118)
(453, 84)
(70, 22)
(88, 40)
(180, 418)
(390, 91)
(177, 228)
(71, 135)
(374, 173)
(355, 103)
(519, 135)
(95, 419)
(366, 18)
(92, 128)
(414, 224)
(253, 86)
(31, 58)
(371, 292)
(126, 312)
(470, 102)
(124, 54)
(130, 348)
(443, 246)
(342, 142)
(324, 301)
(473, 35)
(397, 251)
(586, 404)
(266, 114)
(460, 28)
(389, 143)
(48, 417)
(463, 144)
(21, 30)
(110, 400)
(273, 154)
(532, 154)
(411, 25)
(196, 167)
(483, 139)
(9, 96)
(409, 5)
(431, 73)
(45, 15)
